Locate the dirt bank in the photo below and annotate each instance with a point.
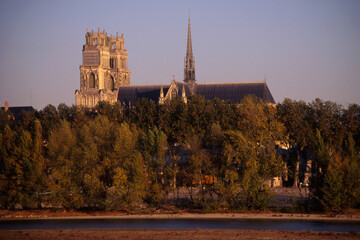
(173, 234)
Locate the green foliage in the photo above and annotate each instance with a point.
(173, 121)
(333, 197)
(116, 157)
(145, 115)
(22, 167)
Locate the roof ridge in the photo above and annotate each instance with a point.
(231, 83)
(144, 85)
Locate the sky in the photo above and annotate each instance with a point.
(306, 49)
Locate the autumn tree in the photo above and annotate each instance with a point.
(200, 114)
(294, 116)
(250, 154)
(153, 147)
(173, 120)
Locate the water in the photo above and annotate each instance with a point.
(115, 223)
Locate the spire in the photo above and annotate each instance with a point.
(189, 45)
(161, 98)
(189, 68)
(161, 92)
(183, 94)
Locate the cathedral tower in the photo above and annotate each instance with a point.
(189, 68)
(104, 69)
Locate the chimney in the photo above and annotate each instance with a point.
(6, 106)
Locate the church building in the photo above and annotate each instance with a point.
(104, 76)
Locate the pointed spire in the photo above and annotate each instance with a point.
(183, 94)
(161, 98)
(189, 45)
(161, 92)
(189, 68)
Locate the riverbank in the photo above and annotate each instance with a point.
(353, 215)
(173, 234)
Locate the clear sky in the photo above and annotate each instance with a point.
(307, 49)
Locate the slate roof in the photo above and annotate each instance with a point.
(16, 111)
(234, 92)
(129, 94)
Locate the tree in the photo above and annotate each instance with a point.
(326, 117)
(144, 115)
(214, 141)
(198, 166)
(200, 114)
(351, 173)
(225, 114)
(294, 116)
(64, 112)
(351, 122)
(65, 170)
(7, 167)
(250, 153)
(5, 120)
(173, 120)
(321, 158)
(26, 169)
(153, 147)
(332, 191)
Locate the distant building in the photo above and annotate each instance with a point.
(102, 80)
(15, 112)
(104, 69)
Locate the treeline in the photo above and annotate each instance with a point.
(115, 157)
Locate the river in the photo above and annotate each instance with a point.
(199, 223)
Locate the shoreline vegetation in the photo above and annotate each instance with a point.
(199, 157)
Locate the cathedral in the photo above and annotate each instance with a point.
(104, 76)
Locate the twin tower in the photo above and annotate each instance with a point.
(104, 68)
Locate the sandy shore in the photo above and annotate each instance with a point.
(173, 234)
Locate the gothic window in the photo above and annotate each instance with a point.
(92, 80)
(112, 83)
(112, 62)
(95, 41)
(114, 46)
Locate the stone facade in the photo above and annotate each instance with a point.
(104, 69)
